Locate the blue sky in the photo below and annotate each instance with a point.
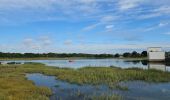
(83, 26)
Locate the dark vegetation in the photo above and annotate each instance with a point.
(64, 55)
(135, 54)
(167, 54)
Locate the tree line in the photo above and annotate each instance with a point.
(63, 55)
(133, 54)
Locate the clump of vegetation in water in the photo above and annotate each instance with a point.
(14, 85)
(97, 75)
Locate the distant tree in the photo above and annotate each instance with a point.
(144, 54)
(117, 55)
(126, 54)
(135, 54)
(53, 55)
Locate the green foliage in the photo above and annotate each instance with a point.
(53, 55)
(70, 55)
(144, 54)
(117, 55)
(135, 54)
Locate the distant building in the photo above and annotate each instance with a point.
(156, 54)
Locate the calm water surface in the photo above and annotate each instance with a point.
(138, 90)
(101, 62)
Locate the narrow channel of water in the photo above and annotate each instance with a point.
(138, 90)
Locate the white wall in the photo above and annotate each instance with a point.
(156, 56)
(154, 49)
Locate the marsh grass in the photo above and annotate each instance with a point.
(97, 75)
(14, 85)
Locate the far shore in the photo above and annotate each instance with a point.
(69, 58)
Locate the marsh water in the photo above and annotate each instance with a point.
(137, 90)
(123, 63)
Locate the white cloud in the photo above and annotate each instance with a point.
(108, 18)
(31, 44)
(168, 33)
(128, 4)
(68, 42)
(163, 24)
(104, 20)
(156, 12)
(163, 10)
(28, 41)
(109, 26)
(91, 27)
(45, 40)
(21, 11)
(157, 26)
(105, 14)
(107, 48)
(36, 44)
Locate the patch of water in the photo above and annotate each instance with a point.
(138, 90)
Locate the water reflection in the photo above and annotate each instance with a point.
(138, 90)
(163, 66)
(158, 66)
(122, 63)
(65, 91)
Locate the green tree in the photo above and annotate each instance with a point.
(144, 54)
(117, 55)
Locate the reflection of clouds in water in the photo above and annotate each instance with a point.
(144, 64)
(67, 91)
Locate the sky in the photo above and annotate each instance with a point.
(83, 26)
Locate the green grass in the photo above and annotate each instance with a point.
(14, 85)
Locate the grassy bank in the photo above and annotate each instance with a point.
(14, 85)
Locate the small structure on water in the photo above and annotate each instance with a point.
(70, 61)
(156, 54)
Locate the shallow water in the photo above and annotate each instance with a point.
(123, 63)
(87, 62)
(138, 90)
(66, 91)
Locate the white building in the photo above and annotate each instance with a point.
(156, 54)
